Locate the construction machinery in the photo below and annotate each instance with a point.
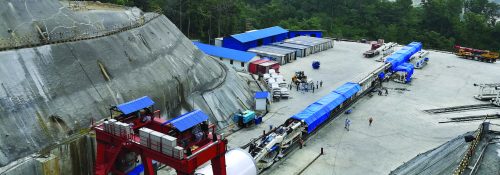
(496, 100)
(183, 143)
(245, 118)
(276, 144)
(373, 50)
(420, 59)
(476, 54)
(386, 49)
(487, 91)
(300, 77)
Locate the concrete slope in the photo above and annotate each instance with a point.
(441, 160)
(52, 91)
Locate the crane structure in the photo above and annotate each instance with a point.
(476, 54)
(138, 132)
(487, 91)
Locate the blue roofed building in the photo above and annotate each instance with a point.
(311, 33)
(237, 59)
(255, 38)
(261, 99)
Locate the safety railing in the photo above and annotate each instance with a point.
(470, 152)
(28, 41)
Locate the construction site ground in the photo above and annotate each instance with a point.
(400, 131)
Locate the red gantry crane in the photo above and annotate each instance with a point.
(183, 143)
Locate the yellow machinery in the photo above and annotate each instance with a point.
(476, 54)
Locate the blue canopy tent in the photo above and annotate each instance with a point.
(348, 89)
(318, 112)
(188, 120)
(135, 105)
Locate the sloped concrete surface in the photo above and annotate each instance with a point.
(50, 92)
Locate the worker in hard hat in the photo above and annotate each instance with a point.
(145, 115)
(347, 124)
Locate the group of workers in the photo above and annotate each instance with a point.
(308, 86)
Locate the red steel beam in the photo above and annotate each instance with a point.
(214, 151)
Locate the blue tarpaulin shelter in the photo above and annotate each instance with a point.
(188, 120)
(318, 112)
(313, 116)
(348, 89)
(135, 105)
(403, 55)
(408, 68)
(381, 75)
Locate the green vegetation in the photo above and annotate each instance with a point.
(439, 24)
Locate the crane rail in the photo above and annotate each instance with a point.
(460, 108)
(472, 118)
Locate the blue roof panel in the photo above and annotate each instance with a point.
(225, 52)
(259, 34)
(135, 105)
(261, 95)
(189, 120)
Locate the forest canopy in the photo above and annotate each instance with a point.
(439, 24)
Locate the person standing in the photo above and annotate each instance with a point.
(321, 83)
(370, 120)
(347, 124)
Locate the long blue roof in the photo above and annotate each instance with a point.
(135, 105)
(348, 89)
(259, 34)
(318, 112)
(188, 120)
(225, 52)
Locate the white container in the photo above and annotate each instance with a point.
(106, 126)
(266, 76)
(155, 140)
(169, 141)
(271, 80)
(116, 128)
(169, 151)
(178, 152)
(144, 136)
(275, 86)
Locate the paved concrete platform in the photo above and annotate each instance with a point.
(400, 130)
(340, 64)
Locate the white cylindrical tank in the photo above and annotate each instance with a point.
(238, 162)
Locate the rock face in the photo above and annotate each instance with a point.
(51, 91)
